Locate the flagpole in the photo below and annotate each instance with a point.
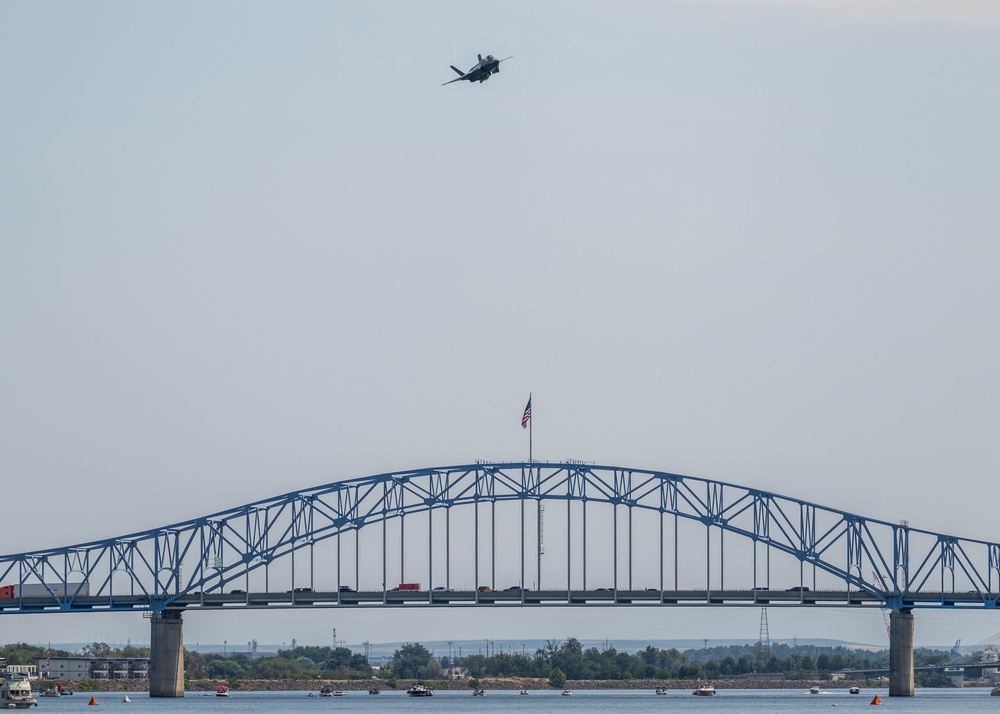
(531, 424)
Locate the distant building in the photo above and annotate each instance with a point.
(990, 656)
(30, 670)
(93, 667)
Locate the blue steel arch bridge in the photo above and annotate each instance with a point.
(510, 534)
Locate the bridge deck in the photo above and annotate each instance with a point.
(472, 598)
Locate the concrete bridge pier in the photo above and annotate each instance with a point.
(166, 665)
(901, 653)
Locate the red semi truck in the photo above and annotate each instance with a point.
(406, 586)
(9, 592)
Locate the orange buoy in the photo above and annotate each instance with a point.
(92, 702)
(876, 700)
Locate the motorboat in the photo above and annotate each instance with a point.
(705, 690)
(814, 690)
(15, 692)
(661, 690)
(855, 690)
(479, 692)
(524, 691)
(419, 690)
(995, 692)
(567, 693)
(222, 691)
(339, 693)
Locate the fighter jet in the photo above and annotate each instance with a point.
(481, 72)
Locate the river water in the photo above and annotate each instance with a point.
(510, 702)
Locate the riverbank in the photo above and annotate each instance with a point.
(507, 683)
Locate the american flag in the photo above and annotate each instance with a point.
(526, 417)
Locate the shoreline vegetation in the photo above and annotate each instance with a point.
(504, 683)
(555, 665)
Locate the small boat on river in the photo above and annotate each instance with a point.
(814, 690)
(222, 691)
(705, 690)
(855, 690)
(419, 690)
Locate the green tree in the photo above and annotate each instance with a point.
(410, 660)
(224, 669)
(194, 665)
(98, 649)
(557, 679)
(275, 668)
(22, 653)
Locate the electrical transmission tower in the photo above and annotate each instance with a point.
(763, 644)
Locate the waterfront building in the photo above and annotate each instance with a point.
(93, 667)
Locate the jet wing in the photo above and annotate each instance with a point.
(457, 79)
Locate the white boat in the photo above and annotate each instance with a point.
(524, 691)
(855, 690)
(567, 693)
(814, 690)
(15, 692)
(338, 693)
(661, 690)
(222, 691)
(419, 690)
(705, 690)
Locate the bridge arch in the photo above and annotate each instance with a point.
(180, 564)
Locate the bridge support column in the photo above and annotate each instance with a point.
(166, 666)
(901, 653)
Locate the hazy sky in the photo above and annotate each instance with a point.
(250, 247)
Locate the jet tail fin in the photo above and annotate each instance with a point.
(460, 72)
(480, 57)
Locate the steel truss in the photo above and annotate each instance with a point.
(897, 566)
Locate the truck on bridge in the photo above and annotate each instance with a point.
(12, 592)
